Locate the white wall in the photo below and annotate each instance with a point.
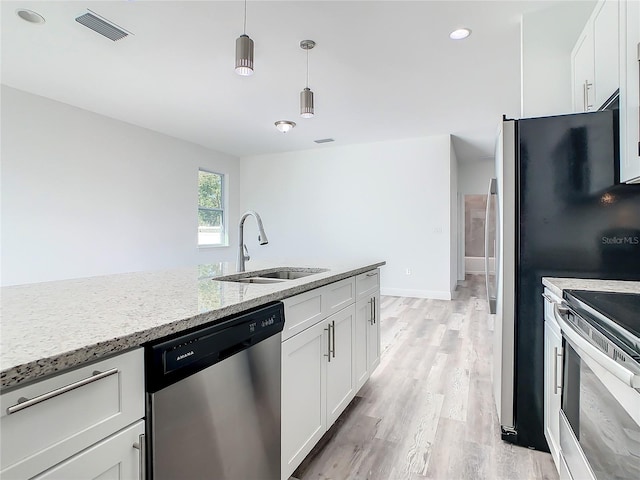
(453, 226)
(385, 200)
(548, 36)
(83, 194)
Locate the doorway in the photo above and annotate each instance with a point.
(475, 207)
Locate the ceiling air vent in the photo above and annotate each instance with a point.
(97, 24)
(325, 140)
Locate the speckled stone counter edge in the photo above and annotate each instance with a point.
(19, 375)
(557, 285)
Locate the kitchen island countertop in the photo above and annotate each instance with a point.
(557, 285)
(52, 326)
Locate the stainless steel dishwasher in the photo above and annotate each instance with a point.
(213, 400)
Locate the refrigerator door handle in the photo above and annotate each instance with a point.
(492, 191)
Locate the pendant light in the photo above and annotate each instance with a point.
(306, 95)
(244, 50)
(285, 125)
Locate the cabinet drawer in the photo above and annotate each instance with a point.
(69, 413)
(339, 295)
(113, 458)
(302, 311)
(366, 283)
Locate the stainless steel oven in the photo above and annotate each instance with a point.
(600, 413)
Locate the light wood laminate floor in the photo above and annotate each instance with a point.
(428, 410)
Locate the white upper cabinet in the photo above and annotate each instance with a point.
(594, 60)
(630, 91)
(582, 66)
(605, 52)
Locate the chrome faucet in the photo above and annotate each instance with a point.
(243, 253)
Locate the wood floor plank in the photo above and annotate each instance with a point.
(428, 411)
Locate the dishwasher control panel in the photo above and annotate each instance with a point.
(168, 361)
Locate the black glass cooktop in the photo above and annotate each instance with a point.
(621, 308)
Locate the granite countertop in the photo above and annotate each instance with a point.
(557, 285)
(52, 326)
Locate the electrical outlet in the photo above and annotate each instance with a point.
(407, 271)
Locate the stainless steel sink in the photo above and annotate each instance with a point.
(271, 275)
(255, 280)
(288, 274)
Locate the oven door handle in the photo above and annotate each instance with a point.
(571, 333)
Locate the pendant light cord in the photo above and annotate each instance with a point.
(244, 28)
(307, 68)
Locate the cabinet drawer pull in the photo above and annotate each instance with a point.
(556, 355)
(371, 311)
(333, 338)
(375, 312)
(585, 91)
(328, 330)
(26, 403)
(141, 445)
(372, 274)
(547, 297)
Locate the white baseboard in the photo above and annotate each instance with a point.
(475, 265)
(401, 292)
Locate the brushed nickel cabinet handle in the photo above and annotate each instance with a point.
(371, 311)
(585, 89)
(333, 338)
(141, 445)
(372, 274)
(26, 403)
(328, 354)
(375, 311)
(556, 355)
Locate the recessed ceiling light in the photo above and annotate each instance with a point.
(30, 16)
(460, 34)
(284, 125)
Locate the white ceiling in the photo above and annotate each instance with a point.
(381, 70)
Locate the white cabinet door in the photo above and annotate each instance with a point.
(373, 337)
(552, 387)
(605, 41)
(114, 458)
(78, 408)
(364, 312)
(341, 385)
(583, 72)
(304, 409)
(630, 91)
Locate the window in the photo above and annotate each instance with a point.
(211, 221)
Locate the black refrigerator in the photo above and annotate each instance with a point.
(559, 212)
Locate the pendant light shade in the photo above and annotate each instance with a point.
(306, 95)
(244, 50)
(306, 103)
(244, 55)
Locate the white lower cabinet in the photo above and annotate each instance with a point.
(327, 355)
(304, 383)
(363, 321)
(116, 458)
(373, 334)
(341, 385)
(62, 418)
(367, 338)
(552, 380)
(318, 383)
